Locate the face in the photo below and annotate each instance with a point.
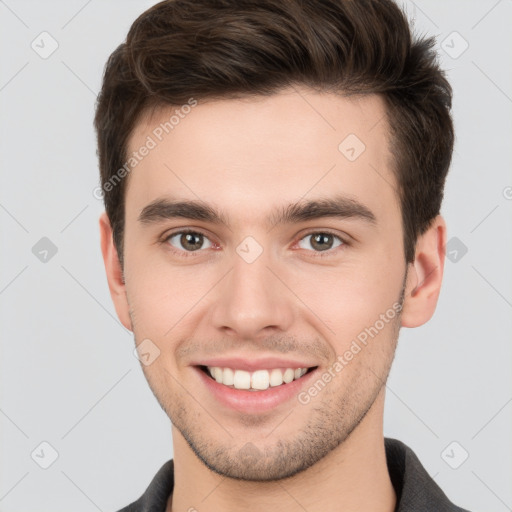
(256, 243)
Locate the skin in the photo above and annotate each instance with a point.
(248, 158)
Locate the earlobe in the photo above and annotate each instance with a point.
(425, 276)
(114, 272)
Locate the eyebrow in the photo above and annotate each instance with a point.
(339, 207)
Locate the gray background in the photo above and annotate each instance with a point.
(68, 374)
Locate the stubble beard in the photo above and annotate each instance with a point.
(332, 420)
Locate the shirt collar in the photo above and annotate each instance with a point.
(415, 490)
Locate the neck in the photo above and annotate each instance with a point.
(355, 475)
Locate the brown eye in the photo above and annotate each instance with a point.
(189, 241)
(320, 241)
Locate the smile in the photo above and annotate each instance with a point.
(258, 380)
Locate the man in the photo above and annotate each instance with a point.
(273, 173)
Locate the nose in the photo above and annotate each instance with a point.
(251, 302)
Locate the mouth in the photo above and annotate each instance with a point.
(258, 380)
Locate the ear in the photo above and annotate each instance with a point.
(425, 275)
(114, 272)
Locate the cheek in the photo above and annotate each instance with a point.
(164, 298)
(349, 298)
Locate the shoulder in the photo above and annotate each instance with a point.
(156, 495)
(414, 487)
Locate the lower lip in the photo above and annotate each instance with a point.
(255, 402)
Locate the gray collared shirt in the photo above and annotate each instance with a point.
(415, 490)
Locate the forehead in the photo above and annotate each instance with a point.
(255, 153)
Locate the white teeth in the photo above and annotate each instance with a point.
(276, 377)
(242, 379)
(258, 380)
(217, 374)
(228, 376)
(288, 375)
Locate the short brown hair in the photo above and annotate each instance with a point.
(213, 49)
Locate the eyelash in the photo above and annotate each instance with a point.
(315, 254)
(183, 253)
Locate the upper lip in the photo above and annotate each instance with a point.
(253, 364)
